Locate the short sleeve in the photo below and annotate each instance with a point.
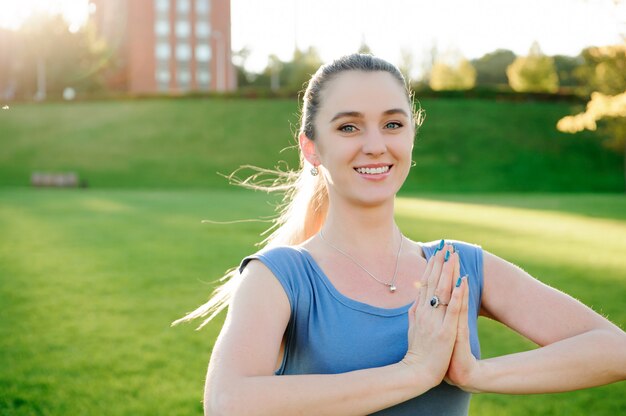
(471, 258)
(282, 262)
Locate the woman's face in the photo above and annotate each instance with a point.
(364, 136)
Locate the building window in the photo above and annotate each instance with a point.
(163, 76)
(162, 51)
(203, 30)
(183, 6)
(202, 6)
(183, 29)
(162, 28)
(203, 76)
(183, 52)
(162, 5)
(203, 53)
(183, 77)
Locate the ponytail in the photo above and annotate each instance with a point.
(301, 216)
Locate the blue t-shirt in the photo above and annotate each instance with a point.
(329, 333)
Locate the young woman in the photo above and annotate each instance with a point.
(340, 314)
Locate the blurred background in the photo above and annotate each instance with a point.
(120, 119)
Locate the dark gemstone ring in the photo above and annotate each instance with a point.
(435, 302)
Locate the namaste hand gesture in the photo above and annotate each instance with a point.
(438, 333)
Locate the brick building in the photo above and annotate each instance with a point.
(167, 46)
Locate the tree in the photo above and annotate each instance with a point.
(240, 58)
(406, 63)
(275, 66)
(294, 74)
(430, 56)
(604, 69)
(491, 67)
(444, 76)
(50, 58)
(605, 73)
(533, 73)
(364, 48)
(304, 64)
(566, 67)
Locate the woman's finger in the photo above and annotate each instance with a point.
(433, 277)
(421, 294)
(423, 282)
(429, 267)
(451, 320)
(411, 313)
(450, 265)
(463, 326)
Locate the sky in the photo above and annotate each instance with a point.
(336, 27)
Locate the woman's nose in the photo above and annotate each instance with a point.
(374, 143)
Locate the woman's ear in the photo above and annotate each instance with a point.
(308, 149)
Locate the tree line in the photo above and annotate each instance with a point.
(44, 58)
(502, 68)
(47, 59)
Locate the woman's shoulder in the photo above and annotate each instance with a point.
(288, 264)
(276, 257)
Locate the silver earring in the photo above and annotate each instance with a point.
(314, 171)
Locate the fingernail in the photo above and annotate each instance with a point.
(441, 243)
(436, 250)
(445, 259)
(454, 248)
(458, 282)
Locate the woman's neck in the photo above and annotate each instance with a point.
(366, 230)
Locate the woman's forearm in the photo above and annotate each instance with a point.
(590, 359)
(353, 393)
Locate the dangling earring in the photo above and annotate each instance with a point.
(314, 171)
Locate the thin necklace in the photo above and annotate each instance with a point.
(392, 283)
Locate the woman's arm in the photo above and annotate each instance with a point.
(241, 378)
(579, 348)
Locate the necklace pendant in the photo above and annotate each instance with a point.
(392, 288)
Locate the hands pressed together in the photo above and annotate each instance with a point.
(438, 336)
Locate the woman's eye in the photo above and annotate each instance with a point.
(393, 125)
(347, 128)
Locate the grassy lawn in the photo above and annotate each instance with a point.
(465, 145)
(90, 281)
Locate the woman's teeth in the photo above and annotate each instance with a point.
(373, 171)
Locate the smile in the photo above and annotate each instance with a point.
(374, 171)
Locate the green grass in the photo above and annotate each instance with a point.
(465, 145)
(90, 281)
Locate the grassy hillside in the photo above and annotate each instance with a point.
(465, 145)
(90, 281)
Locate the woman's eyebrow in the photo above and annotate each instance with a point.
(396, 111)
(360, 115)
(347, 114)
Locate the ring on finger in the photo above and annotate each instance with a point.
(435, 302)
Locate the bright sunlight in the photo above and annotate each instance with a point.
(14, 13)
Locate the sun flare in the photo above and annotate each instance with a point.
(14, 13)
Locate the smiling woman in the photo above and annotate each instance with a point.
(14, 13)
(341, 314)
